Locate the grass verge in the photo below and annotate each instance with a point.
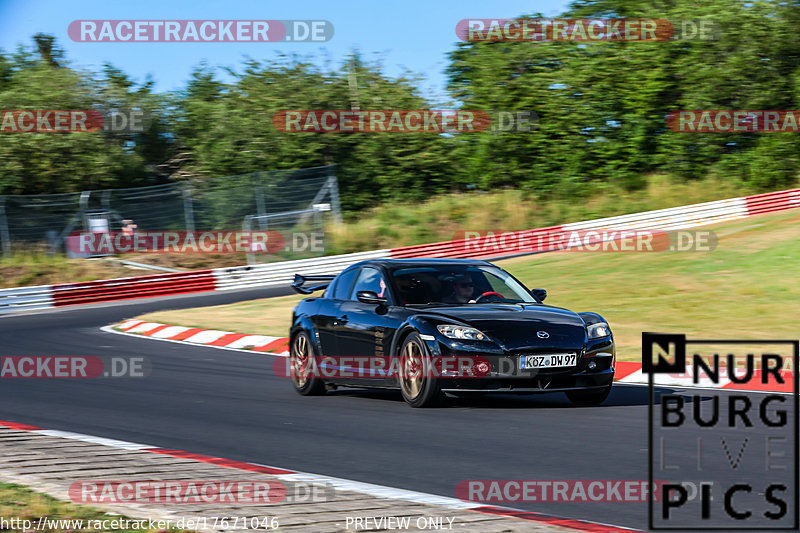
(21, 503)
(746, 288)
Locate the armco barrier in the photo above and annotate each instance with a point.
(134, 287)
(21, 298)
(282, 273)
(248, 277)
(773, 201)
(485, 247)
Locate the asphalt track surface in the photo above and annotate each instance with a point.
(230, 404)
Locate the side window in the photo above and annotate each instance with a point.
(370, 279)
(343, 283)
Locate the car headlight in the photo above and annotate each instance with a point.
(461, 332)
(599, 330)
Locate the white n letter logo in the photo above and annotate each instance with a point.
(664, 357)
(663, 353)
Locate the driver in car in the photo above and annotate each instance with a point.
(463, 291)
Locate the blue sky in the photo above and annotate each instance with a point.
(411, 35)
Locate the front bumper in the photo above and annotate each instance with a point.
(594, 368)
(597, 380)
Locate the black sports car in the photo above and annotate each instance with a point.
(434, 326)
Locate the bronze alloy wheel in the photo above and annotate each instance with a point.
(418, 388)
(301, 360)
(411, 364)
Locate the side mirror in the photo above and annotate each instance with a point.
(539, 294)
(370, 297)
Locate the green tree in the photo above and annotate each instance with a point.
(34, 163)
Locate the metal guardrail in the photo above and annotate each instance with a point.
(133, 287)
(773, 201)
(282, 273)
(17, 299)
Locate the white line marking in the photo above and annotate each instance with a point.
(95, 440)
(674, 379)
(707, 388)
(382, 491)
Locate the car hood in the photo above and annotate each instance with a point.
(516, 326)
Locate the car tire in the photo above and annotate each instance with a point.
(417, 388)
(587, 398)
(301, 352)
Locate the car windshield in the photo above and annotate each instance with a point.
(457, 284)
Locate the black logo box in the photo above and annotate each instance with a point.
(665, 341)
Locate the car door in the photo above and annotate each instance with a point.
(326, 320)
(367, 329)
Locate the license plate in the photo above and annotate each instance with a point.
(558, 360)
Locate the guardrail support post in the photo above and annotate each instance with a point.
(247, 226)
(261, 208)
(333, 188)
(188, 208)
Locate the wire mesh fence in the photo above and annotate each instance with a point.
(213, 204)
(300, 234)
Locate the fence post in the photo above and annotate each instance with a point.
(247, 227)
(261, 208)
(4, 236)
(105, 200)
(84, 201)
(188, 208)
(333, 187)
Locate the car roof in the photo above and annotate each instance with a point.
(400, 263)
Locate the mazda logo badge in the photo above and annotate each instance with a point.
(542, 334)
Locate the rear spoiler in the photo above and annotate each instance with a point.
(299, 281)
